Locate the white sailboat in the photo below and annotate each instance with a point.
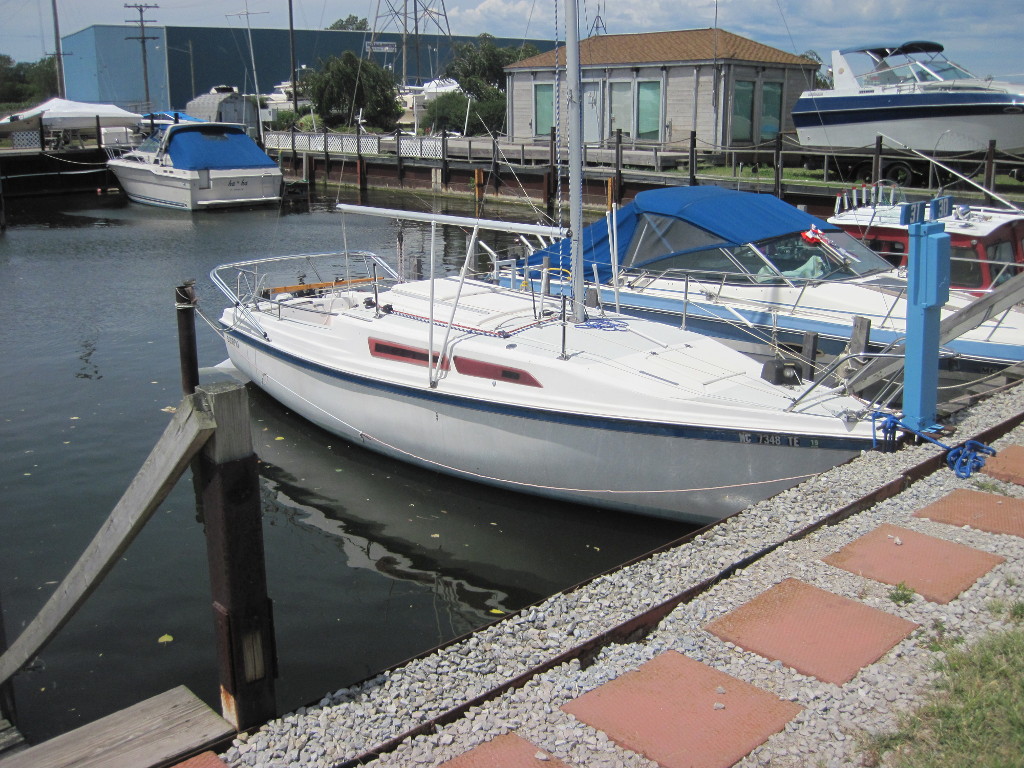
(525, 391)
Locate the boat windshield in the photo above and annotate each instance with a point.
(913, 71)
(793, 258)
(151, 143)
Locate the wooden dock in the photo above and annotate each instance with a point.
(155, 733)
(11, 740)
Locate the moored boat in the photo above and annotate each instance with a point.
(760, 274)
(196, 165)
(497, 386)
(987, 243)
(913, 94)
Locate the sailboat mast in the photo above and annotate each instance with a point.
(575, 135)
(294, 77)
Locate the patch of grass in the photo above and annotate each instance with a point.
(974, 718)
(1016, 612)
(996, 606)
(988, 486)
(940, 639)
(901, 594)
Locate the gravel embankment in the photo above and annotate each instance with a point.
(352, 721)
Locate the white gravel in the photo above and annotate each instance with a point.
(353, 721)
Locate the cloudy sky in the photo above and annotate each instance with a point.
(984, 37)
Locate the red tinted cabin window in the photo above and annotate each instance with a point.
(389, 350)
(469, 367)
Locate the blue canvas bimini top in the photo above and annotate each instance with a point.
(203, 146)
(687, 219)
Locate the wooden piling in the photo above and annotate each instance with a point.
(243, 616)
(693, 158)
(185, 304)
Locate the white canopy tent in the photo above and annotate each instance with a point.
(64, 115)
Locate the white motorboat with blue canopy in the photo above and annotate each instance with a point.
(759, 273)
(196, 165)
(911, 93)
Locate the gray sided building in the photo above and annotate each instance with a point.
(658, 87)
(103, 63)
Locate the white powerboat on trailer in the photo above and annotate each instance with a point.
(196, 165)
(911, 93)
(494, 385)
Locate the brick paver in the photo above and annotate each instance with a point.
(812, 630)
(683, 714)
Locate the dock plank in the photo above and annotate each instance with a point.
(11, 740)
(154, 733)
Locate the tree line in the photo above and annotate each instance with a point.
(23, 83)
(346, 89)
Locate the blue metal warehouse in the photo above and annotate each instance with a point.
(103, 63)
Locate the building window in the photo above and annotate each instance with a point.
(743, 111)
(648, 110)
(621, 95)
(543, 108)
(771, 110)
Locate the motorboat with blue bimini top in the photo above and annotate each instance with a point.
(758, 273)
(913, 94)
(197, 165)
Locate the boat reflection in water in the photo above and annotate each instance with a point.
(482, 551)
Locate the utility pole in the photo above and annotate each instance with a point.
(59, 53)
(142, 38)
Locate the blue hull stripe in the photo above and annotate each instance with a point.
(661, 429)
(842, 110)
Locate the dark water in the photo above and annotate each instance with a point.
(369, 561)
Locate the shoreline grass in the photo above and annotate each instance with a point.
(974, 716)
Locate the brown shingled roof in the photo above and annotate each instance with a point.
(658, 47)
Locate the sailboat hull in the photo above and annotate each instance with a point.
(690, 473)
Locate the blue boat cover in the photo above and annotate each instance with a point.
(199, 146)
(728, 218)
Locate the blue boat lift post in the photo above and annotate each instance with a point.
(928, 290)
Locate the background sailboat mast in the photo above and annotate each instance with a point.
(574, 117)
(291, 52)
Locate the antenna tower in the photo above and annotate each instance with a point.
(598, 27)
(413, 18)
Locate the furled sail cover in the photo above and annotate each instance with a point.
(660, 223)
(207, 145)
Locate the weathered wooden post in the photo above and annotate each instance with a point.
(327, 157)
(398, 157)
(876, 160)
(618, 165)
(777, 162)
(242, 610)
(693, 158)
(495, 177)
(990, 170)
(185, 304)
(445, 175)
